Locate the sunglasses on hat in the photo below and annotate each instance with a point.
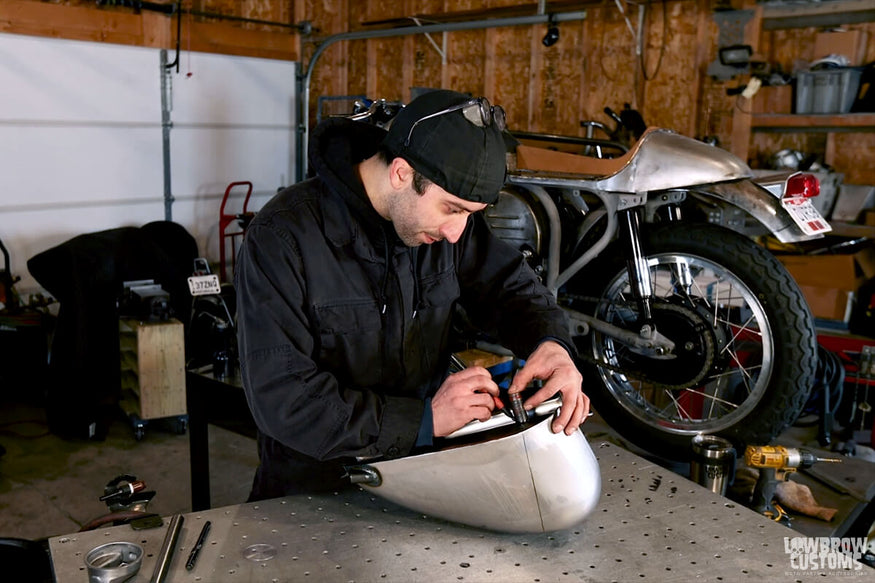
(478, 111)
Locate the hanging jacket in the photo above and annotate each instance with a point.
(343, 330)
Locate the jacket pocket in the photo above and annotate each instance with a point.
(439, 290)
(350, 341)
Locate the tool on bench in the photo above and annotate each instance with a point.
(123, 488)
(195, 551)
(776, 463)
(162, 567)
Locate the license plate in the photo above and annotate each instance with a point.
(806, 216)
(202, 285)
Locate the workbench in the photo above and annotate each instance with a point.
(650, 525)
(212, 401)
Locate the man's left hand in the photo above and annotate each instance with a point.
(551, 363)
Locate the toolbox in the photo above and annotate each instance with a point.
(827, 90)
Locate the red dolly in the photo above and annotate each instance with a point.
(225, 220)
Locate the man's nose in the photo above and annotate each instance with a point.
(452, 229)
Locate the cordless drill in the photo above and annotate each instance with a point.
(776, 463)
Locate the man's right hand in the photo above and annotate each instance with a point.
(464, 396)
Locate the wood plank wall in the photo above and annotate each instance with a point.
(84, 20)
(543, 89)
(594, 64)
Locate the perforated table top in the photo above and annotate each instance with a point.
(650, 525)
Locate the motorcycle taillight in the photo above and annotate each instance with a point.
(802, 185)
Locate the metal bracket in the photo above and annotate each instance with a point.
(627, 201)
(442, 50)
(730, 25)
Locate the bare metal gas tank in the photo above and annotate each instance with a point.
(531, 480)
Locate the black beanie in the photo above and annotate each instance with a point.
(465, 159)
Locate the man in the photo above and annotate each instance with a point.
(347, 284)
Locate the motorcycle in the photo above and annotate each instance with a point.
(682, 326)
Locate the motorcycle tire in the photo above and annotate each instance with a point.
(743, 363)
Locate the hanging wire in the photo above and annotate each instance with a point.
(650, 77)
(177, 8)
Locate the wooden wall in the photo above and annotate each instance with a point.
(543, 89)
(546, 89)
(594, 64)
(85, 20)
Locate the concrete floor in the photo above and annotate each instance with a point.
(50, 486)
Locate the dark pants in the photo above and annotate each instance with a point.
(284, 472)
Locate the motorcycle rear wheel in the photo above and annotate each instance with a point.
(745, 343)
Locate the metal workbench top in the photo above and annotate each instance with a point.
(650, 525)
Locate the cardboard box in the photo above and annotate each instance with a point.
(829, 282)
(851, 201)
(773, 99)
(850, 43)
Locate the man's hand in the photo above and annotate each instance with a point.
(464, 396)
(551, 363)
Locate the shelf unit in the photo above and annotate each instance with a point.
(769, 110)
(152, 361)
(828, 122)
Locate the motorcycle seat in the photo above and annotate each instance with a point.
(534, 159)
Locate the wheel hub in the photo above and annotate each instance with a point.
(695, 342)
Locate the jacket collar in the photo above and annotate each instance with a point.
(337, 146)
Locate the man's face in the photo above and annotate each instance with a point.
(431, 216)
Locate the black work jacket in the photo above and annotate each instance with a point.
(343, 330)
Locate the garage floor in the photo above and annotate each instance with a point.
(50, 486)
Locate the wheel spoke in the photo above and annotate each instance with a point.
(738, 346)
(678, 407)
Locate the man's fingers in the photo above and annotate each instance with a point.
(475, 379)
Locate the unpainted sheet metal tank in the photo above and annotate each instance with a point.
(527, 479)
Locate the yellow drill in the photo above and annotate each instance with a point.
(776, 463)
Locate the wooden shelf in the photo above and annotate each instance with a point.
(852, 230)
(778, 15)
(813, 122)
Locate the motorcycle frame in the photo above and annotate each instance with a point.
(623, 213)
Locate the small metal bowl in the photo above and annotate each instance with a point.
(113, 562)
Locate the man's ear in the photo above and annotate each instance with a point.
(400, 173)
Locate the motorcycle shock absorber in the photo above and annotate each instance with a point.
(639, 272)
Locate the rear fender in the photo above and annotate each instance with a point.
(761, 198)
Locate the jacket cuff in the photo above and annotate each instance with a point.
(426, 427)
(399, 426)
(570, 349)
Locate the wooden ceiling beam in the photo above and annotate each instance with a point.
(148, 29)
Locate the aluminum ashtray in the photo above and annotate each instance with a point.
(113, 562)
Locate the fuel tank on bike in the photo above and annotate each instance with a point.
(660, 160)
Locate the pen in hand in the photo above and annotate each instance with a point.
(201, 539)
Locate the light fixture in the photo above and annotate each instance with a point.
(735, 55)
(552, 36)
